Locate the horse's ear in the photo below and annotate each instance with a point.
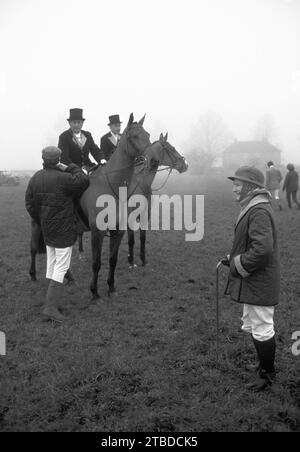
(130, 121)
(141, 121)
(166, 137)
(161, 137)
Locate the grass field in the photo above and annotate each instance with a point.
(144, 360)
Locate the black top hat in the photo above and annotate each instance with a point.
(114, 119)
(76, 114)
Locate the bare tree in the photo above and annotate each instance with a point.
(265, 129)
(209, 138)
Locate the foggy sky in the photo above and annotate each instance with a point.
(173, 59)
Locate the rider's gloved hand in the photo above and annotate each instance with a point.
(103, 161)
(61, 166)
(225, 261)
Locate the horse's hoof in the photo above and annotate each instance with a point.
(33, 278)
(95, 301)
(95, 295)
(70, 282)
(132, 267)
(112, 293)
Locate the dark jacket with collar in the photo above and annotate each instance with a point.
(273, 178)
(49, 201)
(254, 259)
(107, 146)
(72, 153)
(291, 182)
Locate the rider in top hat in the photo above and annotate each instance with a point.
(76, 144)
(109, 141)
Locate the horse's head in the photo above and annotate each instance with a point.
(162, 153)
(135, 138)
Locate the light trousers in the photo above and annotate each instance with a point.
(259, 321)
(58, 262)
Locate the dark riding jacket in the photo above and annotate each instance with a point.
(49, 201)
(72, 153)
(107, 146)
(254, 259)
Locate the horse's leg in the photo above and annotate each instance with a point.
(130, 235)
(143, 246)
(32, 270)
(69, 276)
(114, 245)
(97, 241)
(36, 242)
(80, 243)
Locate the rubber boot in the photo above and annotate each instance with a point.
(54, 293)
(254, 367)
(266, 353)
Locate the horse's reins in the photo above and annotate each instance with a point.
(166, 148)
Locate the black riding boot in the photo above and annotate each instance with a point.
(266, 355)
(254, 367)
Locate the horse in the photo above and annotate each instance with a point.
(107, 180)
(104, 180)
(164, 154)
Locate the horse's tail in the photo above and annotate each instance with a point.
(37, 239)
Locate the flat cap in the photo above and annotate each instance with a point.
(51, 153)
(249, 174)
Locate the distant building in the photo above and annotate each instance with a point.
(256, 153)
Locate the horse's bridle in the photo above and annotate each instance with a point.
(136, 161)
(168, 148)
(135, 147)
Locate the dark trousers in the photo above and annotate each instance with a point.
(293, 195)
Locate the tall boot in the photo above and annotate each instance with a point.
(266, 353)
(54, 293)
(254, 367)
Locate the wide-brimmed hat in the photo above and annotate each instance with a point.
(76, 114)
(51, 153)
(114, 119)
(249, 174)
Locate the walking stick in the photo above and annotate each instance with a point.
(217, 308)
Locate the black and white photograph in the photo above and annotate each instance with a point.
(149, 219)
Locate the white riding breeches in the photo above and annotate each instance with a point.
(258, 321)
(58, 262)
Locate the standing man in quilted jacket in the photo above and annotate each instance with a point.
(49, 201)
(254, 278)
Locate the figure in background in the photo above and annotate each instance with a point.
(273, 180)
(291, 185)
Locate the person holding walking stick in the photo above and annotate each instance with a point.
(254, 269)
